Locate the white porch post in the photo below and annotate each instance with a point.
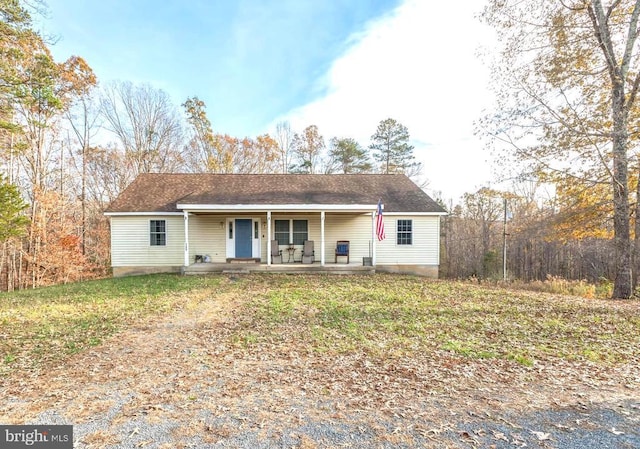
(322, 238)
(186, 238)
(269, 238)
(373, 238)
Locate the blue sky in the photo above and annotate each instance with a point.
(342, 65)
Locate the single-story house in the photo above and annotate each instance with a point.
(167, 222)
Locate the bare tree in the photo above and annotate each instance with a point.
(283, 138)
(109, 172)
(84, 118)
(146, 124)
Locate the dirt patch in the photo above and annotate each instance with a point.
(186, 381)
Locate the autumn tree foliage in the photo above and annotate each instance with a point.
(584, 210)
(307, 148)
(70, 147)
(46, 91)
(537, 249)
(204, 153)
(567, 82)
(209, 152)
(17, 43)
(35, 93)
(259, 155)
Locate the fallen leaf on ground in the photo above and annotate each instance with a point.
(542, 436)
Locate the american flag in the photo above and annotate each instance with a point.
(380, 222)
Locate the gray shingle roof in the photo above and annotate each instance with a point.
(160, 192)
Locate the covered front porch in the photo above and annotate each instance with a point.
(246, 238)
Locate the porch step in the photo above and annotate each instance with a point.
(243, 260)
(236, 271)
(246, 268)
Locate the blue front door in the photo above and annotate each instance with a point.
(243, 238)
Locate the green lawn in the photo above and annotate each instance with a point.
(382, 315)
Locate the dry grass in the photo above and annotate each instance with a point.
(48, 324)
(396, 317)
(224, 355)
(561, 286)
(382, 316)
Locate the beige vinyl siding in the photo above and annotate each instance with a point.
(357, 229)
(131, 247)
(207, 237)
(313, 231)
(354, 228)
(425, 247)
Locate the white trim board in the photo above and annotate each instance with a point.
(137, 214)
(364, 208)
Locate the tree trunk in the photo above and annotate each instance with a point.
(19, 270)
(84, 197)
(622, 287)
(636, 238)
(4, 262)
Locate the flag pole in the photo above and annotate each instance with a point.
(373, 238)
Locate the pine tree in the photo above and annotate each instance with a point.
(390, 145)
(347, 156)
(12, 222)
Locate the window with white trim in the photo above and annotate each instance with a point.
(282, 232)
(158, 232)
(300, 232)
(291, 231)
(404, 232)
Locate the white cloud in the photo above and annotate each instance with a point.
(418, 66)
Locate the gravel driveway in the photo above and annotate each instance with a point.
(181, 381)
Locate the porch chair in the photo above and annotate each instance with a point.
(342, 249)
(307, 252)
(276, 252)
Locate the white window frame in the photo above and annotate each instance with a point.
(401, 235)
(153, 233)
(290, 230)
